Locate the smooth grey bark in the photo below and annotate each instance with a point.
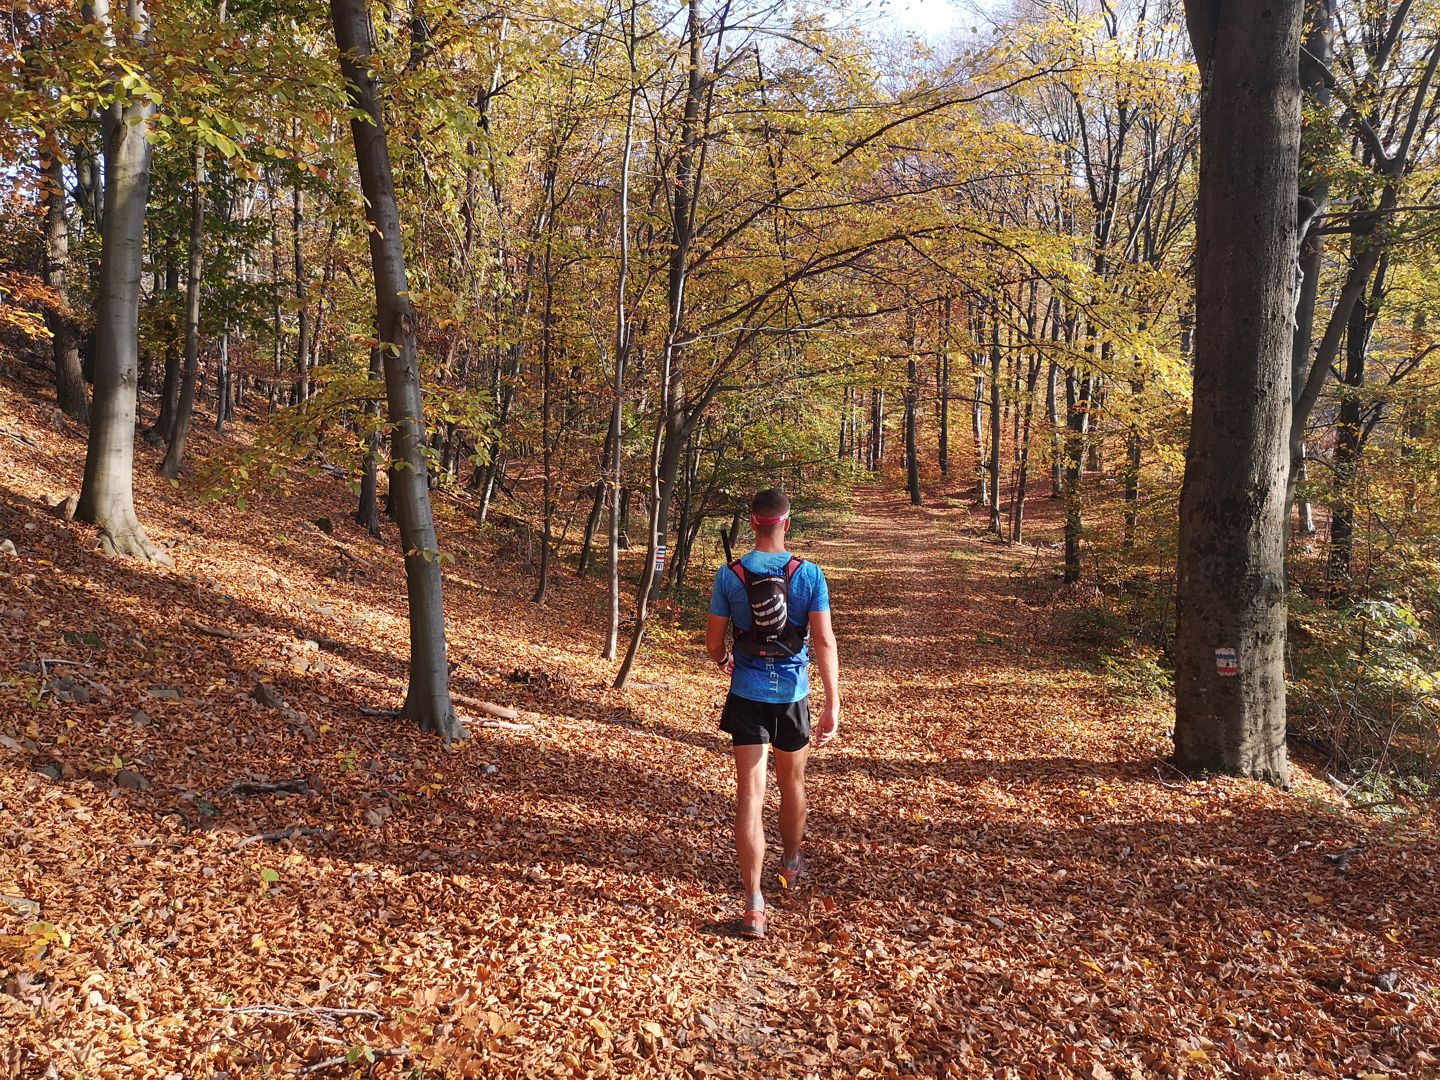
(427, 700)
(995, 422)
(912, 457)
(159, 432)
(302, 292)
(610, 476)
(224, 390)
(1231, 565)
(185, 407)
(367, 512)
(107, 496)
(1079, 399)
(1356, 420)
(977, 413)
(1052, 418)
(877, 429)
(70, 392)
(942, 380)
(547, 447)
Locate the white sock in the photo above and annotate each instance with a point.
(756, 902)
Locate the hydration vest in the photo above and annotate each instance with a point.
(772, 634)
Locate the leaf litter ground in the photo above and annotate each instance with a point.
(218, 862)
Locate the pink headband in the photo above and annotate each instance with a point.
(767, 522)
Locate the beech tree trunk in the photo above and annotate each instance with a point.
(427, 701)
(995, 421)
(942, 388)
(1230, 644)
(159, 432)
(367, 511)
(185, 408)
(70, 392)
(912, 458)
(302, 290)
(1052, 417)
(107, 497)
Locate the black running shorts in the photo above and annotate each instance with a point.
(750, 723)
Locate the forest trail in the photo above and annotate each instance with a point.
(1002, 877)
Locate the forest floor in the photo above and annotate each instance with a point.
(1005, 879)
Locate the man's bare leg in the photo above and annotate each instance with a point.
(749, 823)
(790, 775)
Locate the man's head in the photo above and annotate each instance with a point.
(770, 512)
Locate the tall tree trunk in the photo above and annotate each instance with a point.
(367, 513)
(427, 701)
(1350, 432)
(1314, 197)
(1230, 644)
(1052, 418)
(877, 428)
(1079, 388)
(977, 414)
(598, 501)
(107, 498)
(654, 533)
(224, 389)
(942, 387)
(547, 342)
(995, 421)
(302, 291)
(684, 199)
(164, 426)
(912, 457)
(1307, 510)
(1022, 464)
(185, 409)
(70, 392)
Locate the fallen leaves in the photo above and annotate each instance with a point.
(998, 881)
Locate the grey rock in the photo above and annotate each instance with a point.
(132, 781)
(167, 693)
(66, 507)
(24, 905)
(141, 719)
(51, 770)
(7, 547)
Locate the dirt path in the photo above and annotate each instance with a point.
(1002, 879)
(1001, 882)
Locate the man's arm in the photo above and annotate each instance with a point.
(822, 642)
(715, 633)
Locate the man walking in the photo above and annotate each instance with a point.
(778, 604)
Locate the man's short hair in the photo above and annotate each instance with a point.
(770, 503)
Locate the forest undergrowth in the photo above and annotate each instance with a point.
(222, 858)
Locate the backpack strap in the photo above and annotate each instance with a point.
(791, 569)
(738, 569)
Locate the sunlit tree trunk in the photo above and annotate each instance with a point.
(302, 290)
(1351, 432)
(367, 513)
(912, 457)
(107, 497)
(1230, 643)
(995, 422)
(427, 701)
(185, 408)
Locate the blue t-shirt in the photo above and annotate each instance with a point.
(779, 680)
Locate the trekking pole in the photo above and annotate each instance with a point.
(725, 539)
